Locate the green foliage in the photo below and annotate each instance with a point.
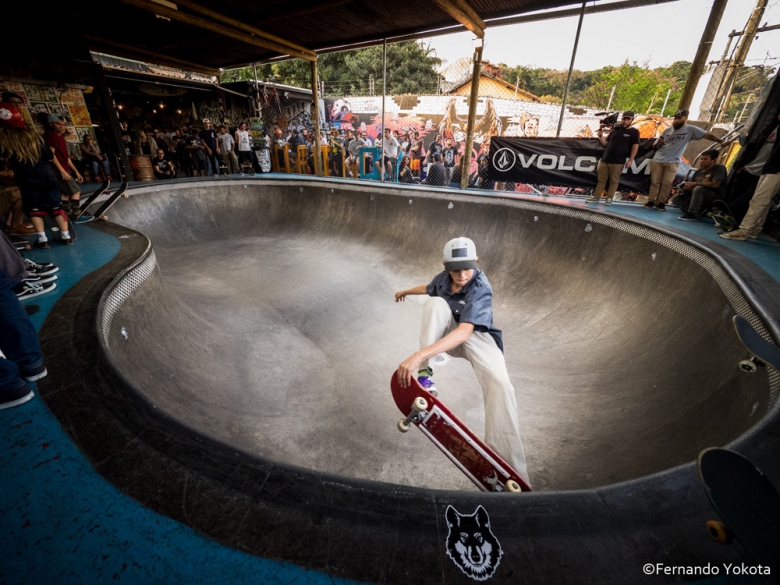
(411, 69)
(636, 86)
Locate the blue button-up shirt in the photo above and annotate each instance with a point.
(471, 304)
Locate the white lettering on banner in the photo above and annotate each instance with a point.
(563, 167)
(526, 163)
(580, 162)
(547, 166)
(643, 166)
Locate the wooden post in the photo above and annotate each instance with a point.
(465, 161)
(315, 118)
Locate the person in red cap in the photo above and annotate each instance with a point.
(69, 188)
(30, 160)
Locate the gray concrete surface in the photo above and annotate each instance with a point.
(270, 325)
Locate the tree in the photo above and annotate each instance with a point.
(411, 68)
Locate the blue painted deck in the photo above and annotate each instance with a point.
(61, 522)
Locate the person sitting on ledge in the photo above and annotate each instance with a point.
(163, 168)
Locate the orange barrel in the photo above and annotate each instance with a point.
(142, 167)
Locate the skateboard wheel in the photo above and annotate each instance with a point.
(420, 404)
(402, 425)
(126, 196)
(513, 486)
(104, 217)
(719, 532)
(748, 366)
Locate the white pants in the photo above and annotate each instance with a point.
(502, 429)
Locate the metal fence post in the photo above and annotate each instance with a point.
(466, 159)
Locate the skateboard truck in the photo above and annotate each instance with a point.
(419, 409)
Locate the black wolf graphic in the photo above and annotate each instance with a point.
(471, 544)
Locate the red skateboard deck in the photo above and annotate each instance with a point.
(473, 457)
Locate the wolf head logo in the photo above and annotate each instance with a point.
(471, 544)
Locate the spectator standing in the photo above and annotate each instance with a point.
(244, 146)
(70, 192)
(227, 147)
(145, 145)
(621, 146)
(416, 153)
(90, 152)
(707, 186)
(669, 149)
(127, 138)
(31, 161)
(390, 153)
(768, 186)
(434, 147)
(211, 146)
(161, 141)
(449, 159)
(197, 157)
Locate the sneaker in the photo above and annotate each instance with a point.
(40, 269)
(15, 396)
(42, 244)
(34, 374)
(735, 235)
(608, 202)
(66, 241)
(661, 206)
(649, 205)
(39, 279)
(22, 230)
(28, 291)
(688, 217)
(592, 199)
(426, 381)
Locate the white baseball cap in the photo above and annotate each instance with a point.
(460, 254)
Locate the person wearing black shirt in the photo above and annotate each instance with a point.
(435, 147)
(209, 138)
(197, 157)
(437, 175)
(163, 168)
(449, 156)
(707, 185)
(621, 145)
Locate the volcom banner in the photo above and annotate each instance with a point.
(565, 162)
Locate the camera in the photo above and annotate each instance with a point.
(608, 121)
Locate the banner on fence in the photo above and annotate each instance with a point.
(567, 162)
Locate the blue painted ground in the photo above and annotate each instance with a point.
(61, 522)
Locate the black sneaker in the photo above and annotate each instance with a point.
(42, 244)
(35, 279)
(40, 269)
(649, 205)
(688, 217)
(15, 396)
(28, 291)
(661, 207)
(66, 241)
(34, 374)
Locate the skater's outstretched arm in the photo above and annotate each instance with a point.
(418, 290)
(409, 367)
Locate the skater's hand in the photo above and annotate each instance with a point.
(407, 369)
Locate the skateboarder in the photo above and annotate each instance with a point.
(458, 319)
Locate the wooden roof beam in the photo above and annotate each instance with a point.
(224, 31)
(202, 10)
(464, 14)
(102, 45)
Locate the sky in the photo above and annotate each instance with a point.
(657, 35)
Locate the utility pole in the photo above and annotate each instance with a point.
(745, 41)
(571, 68)
(700, 60)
